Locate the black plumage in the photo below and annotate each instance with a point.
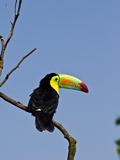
(43, 103)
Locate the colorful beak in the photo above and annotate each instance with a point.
(70, 82)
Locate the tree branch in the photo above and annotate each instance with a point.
(17, 13)
(71, 140)
(17, 66)
(2, 46)
(13, 102)
(5, 43)
(2, 53)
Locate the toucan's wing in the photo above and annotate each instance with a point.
(43, 100)
(35, 101)
(50, 103)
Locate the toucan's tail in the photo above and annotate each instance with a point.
(43, 121)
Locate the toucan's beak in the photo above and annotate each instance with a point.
(70, 82)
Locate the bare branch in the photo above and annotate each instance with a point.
(17, 66)
(2, 47)
(72, 142)
(2, 53)
(19, 7)
(13, 102)
(3, 42)
(15, 7)
(14, 21)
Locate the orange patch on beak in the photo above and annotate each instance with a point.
(66, 81)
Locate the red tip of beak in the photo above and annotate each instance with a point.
(84, 88)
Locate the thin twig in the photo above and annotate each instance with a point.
(14, 21)
(9, 14)
(15, 7)
(19, 7)
(72, 142)
(17, 66)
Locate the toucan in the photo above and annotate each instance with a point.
(44, 99)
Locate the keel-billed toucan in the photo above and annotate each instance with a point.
(44, 99)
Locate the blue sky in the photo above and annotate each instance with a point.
(80, 38)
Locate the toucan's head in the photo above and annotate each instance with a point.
(57, 81)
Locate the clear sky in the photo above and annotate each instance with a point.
(80, 38)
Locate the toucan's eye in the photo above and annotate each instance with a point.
(56, 79)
